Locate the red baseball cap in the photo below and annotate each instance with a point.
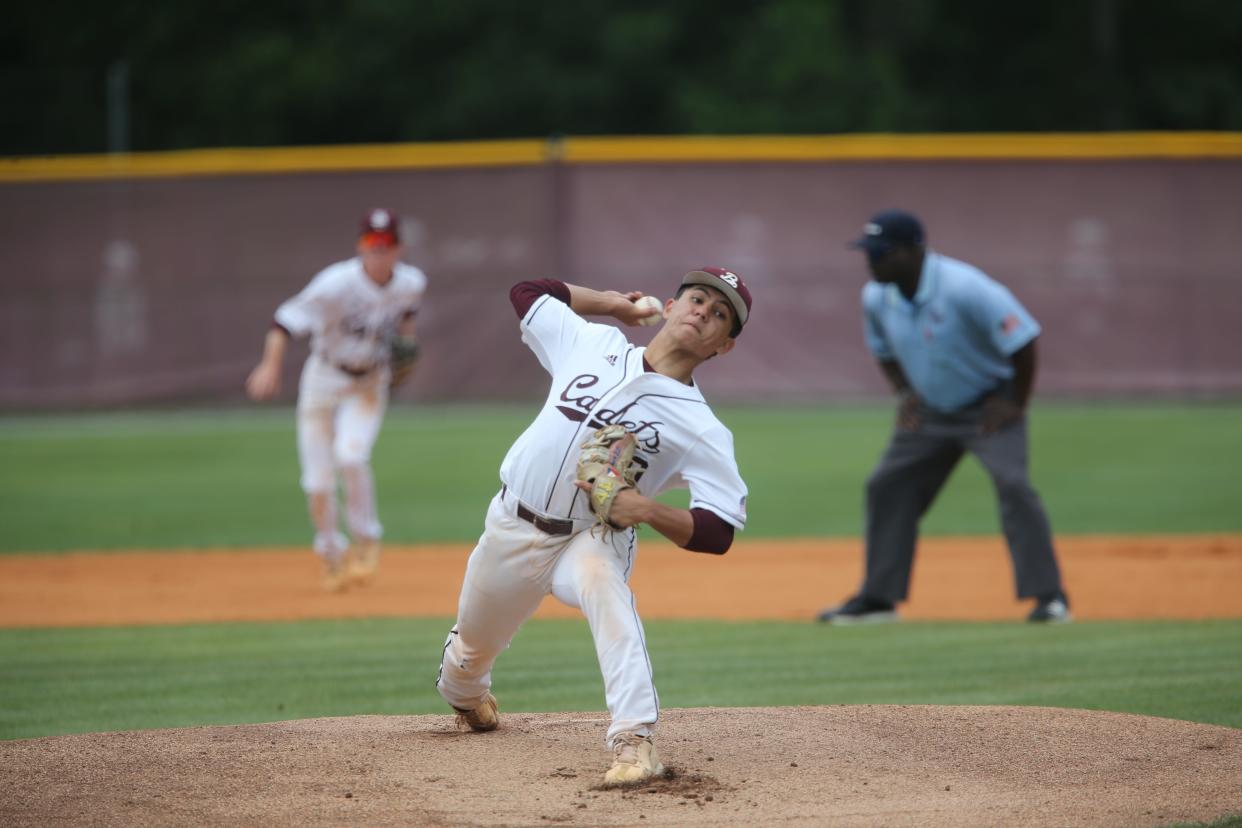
(379, 227)
(728, 283)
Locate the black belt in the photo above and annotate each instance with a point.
(552, 526)
(355, 372)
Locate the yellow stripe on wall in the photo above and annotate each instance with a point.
(243, 161)
(894, 147)
(639, 150)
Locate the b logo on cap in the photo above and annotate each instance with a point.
(729, 278)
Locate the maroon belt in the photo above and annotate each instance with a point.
(355, 372)
(552, 526)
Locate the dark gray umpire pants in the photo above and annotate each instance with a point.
(911, 473)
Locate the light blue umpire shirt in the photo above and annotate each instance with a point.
(954, 340)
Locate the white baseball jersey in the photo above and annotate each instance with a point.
(349, 317)
(598, 379)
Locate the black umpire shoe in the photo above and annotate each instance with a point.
(1052, 608)
(861, 609)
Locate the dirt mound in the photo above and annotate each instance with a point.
(842, 765)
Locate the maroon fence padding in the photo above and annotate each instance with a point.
(160, 290)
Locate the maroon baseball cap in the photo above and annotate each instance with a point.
(379, 227)
(728, 283)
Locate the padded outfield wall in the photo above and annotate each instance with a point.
(152, 278)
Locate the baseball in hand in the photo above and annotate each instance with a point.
(646, 302)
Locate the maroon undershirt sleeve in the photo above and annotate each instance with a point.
(712, 533)
(524, 294)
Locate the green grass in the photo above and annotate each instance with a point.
(184, 480)
(1101, 468)
(195, 479)
(85, 680)
(1223, 822)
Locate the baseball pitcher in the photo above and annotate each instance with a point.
(620, 425)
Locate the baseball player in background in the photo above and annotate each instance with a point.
(959, 350)
(357, 313)
(541, 535)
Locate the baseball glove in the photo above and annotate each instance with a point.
(402, 355)
(606, 462)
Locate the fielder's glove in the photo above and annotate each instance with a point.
(402, 355)
(606, 462)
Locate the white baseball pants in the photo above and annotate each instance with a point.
(339, 419)
(508, 574)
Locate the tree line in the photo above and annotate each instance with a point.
(143, 75)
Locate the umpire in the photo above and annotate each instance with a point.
(959, 350)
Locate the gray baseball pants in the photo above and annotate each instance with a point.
(912, 471)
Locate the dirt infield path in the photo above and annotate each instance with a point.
(1184, 577)
(857, 765)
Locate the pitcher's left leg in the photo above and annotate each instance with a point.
(592, 575)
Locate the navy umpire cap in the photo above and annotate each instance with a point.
(887, 229)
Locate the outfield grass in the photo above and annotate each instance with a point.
(66, 681)
(229, 478)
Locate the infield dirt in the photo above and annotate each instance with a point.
(1186, 577)
(843, 765)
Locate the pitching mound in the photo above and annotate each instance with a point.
(844, 765)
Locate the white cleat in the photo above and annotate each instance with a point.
(333, 551)
(480, 719)
(635, 760)
(335, 575)
(364, 563)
